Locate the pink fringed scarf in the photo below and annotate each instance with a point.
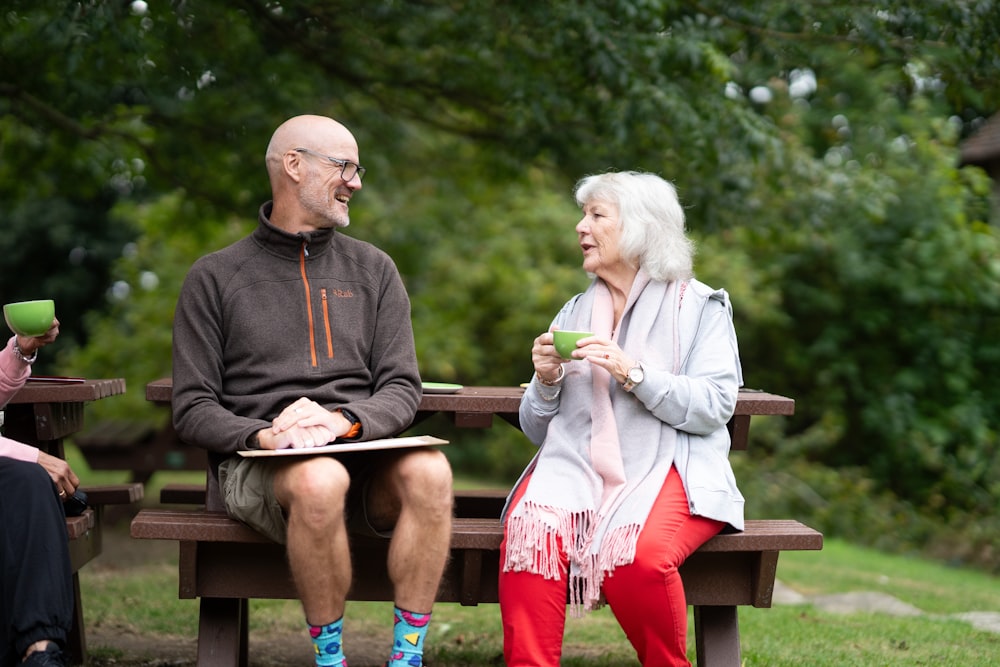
(585, 494)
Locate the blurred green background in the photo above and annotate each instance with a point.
(817, 148)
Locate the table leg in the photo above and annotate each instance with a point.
(717, 636)
(222, 632)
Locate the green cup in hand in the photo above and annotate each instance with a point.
(30, 318)
(565, 341)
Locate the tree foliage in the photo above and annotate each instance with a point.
(890, 305)
(813, 144)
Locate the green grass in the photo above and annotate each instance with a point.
(144, 599)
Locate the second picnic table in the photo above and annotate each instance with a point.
(42, 414)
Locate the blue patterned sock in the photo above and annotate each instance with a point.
(327, 643)
(408, 638)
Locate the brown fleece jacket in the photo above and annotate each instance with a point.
(277, 316)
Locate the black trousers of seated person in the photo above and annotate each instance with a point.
(36, 579)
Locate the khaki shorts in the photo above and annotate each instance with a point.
(247, 487)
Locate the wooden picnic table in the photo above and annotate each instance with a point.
(475, 407)
(42, 414)
(469, 407)
(225, 563)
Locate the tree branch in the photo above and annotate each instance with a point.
(53, 116)
(901, 44)
(58, 119)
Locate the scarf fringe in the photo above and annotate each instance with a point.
(536, 536)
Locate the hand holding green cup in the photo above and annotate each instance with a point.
(565, 341)
(30, 318)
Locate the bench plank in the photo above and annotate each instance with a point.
(729, 569)
(114, 494)
(187, 525)
(77, 526)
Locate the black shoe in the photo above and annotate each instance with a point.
(52, 656)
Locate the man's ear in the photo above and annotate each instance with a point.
(292, 161)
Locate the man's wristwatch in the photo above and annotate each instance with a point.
(355, 430)
(635, 376)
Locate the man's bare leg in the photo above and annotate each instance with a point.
(416, 490)
(313, 491)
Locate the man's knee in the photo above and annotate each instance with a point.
(418, 479)
(426, 473)
(315, 484)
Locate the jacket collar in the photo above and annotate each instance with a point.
(284, 244)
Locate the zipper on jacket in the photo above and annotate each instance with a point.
(326, 324)
(309, 312)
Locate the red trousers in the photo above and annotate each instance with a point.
(646, 596)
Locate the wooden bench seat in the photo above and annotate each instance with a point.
(226, 563)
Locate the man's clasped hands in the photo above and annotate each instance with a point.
(303, 424)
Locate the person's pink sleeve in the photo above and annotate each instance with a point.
(13, 372)
(13, 449)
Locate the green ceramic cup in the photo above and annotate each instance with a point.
(565, 341)
(30, 318)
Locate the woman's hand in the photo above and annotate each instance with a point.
(62, 475)
(596, 350)
(606, 354)
(30, 344)
(545, 359)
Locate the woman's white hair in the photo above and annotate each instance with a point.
(651, 220)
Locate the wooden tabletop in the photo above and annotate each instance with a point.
(507, 400)
(42, 413)
(68, 392)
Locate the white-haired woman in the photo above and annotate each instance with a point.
(632, 472)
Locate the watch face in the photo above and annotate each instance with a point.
(635, 375)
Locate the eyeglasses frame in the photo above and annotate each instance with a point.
(359, 170)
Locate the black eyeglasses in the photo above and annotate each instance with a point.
(347, 168)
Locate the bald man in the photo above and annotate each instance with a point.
(299, 336)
